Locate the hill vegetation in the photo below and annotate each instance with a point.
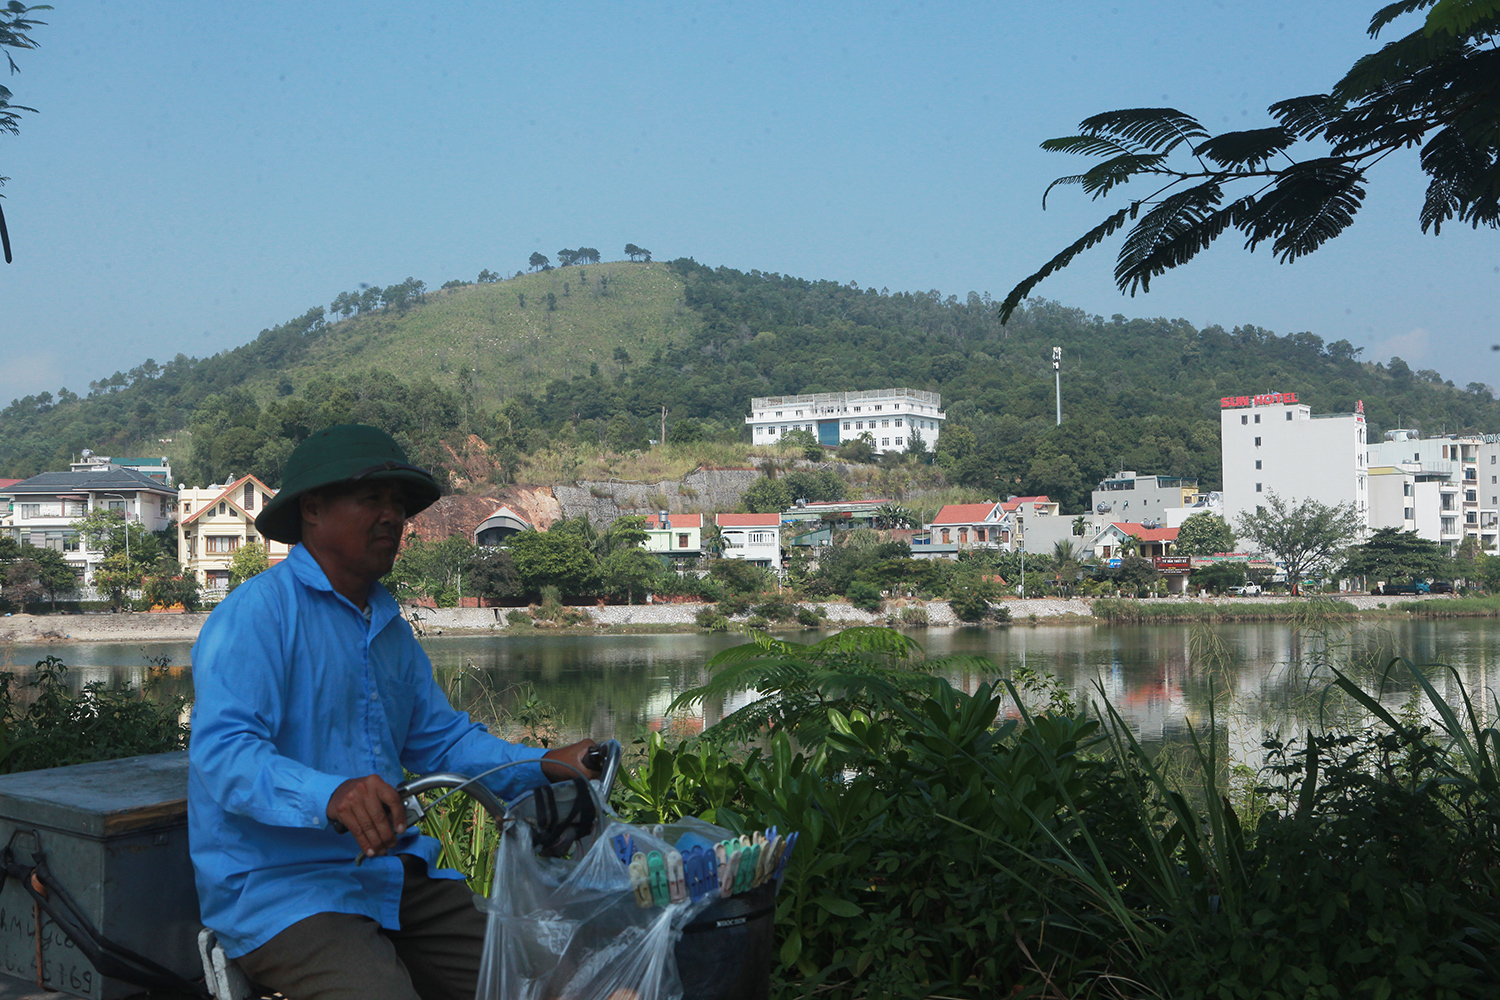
(571, 367)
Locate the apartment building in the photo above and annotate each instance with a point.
(1271, 443)
(1467, 477)
(1129, 496)
(890, 416)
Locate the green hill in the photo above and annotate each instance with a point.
(512, 335)
(589, 358)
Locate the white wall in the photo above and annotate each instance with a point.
(1301, 456)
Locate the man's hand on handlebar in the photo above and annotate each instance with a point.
(576, 754)
(371, 810)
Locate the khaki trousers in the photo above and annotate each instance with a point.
(340, 956)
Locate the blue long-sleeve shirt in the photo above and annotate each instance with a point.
(295, 692)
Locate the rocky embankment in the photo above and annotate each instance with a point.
(144, 627)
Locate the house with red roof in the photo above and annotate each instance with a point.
(675, 537)
(754, 538)
(1150, 542)
(961, 526)
(215, 522)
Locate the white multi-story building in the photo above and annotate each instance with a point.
(1467, 477)
(890, 416)
(755, 538)
(44, 508)
(1132, 497)
(1273, 444)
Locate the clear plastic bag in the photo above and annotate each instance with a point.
(573, 929)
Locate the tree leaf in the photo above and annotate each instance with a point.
(1157, 129)
(1246, 148)
(1100, 232)
(839, 907)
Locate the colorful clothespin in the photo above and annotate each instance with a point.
(676, 880)
(786, 854)
(769, 855)
(624, 847)
(656, 867)
(727, 865)
(745, 874)
(701, 872)
(640, 881)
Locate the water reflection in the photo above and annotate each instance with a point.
(1251, 678)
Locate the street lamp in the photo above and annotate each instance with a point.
(1021, 540)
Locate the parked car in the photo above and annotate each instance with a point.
(1397, 589)
(1440, 587)
(1248, 590)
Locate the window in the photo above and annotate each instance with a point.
(898, 442)
(1289, 414)
(1257, 418)
(1450, 525)
(778, 413)
(1244, 419)
(1471, 518)
(1257, 464)
(1257, 487)
(1471, 496)
(963, 536)
(797, 414)
(1409, 513)
(117, 505)
(1406, 489)
(760, 538)
(978, 534)
(945, 536)
(877, 409)
(856, 409)
(249, 503)
(1257, 442)
(163, 506)
(224, 507)
(898, 421)
(221, 544)
(682, 540)
(187, 508)
(859, 425)
(846, 425)
(885, 442)
(885, 423)
(31, 510)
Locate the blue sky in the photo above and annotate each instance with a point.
(198, 172)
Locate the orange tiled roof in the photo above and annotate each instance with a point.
(964, 513)
(747, 520)
(675, 520)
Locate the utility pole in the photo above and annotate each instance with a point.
(1057, 375)
(663, 425)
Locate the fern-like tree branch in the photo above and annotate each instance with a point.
(1437, 88)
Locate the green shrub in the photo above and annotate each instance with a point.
(732, 605)
(1000, 613)
(969, 606)
(59, 727)
(865, 596)
(710, 620)
(913, 616)
(757, 623)
(777, 609)
(810, 616)
(519, 619)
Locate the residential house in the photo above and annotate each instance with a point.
(158, 468)
(754, 538)
(963, 526)
(1128, 495)
(838, 514)
(1116, 536)
(675, 538)
(214, 522)
(45, 507)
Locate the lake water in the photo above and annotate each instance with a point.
(1161, 678)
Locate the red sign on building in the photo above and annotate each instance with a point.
(1266, 399)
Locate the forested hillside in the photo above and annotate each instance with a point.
(595, 363)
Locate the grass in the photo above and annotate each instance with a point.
(484, 329)
(1458, 607)
(1118, 611)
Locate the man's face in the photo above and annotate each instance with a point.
(357, 529)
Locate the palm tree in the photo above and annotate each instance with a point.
(1066, 565)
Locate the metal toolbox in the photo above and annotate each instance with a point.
(115, 838)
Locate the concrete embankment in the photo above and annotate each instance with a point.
(148, 627)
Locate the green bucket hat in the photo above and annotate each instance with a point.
(344, 453)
